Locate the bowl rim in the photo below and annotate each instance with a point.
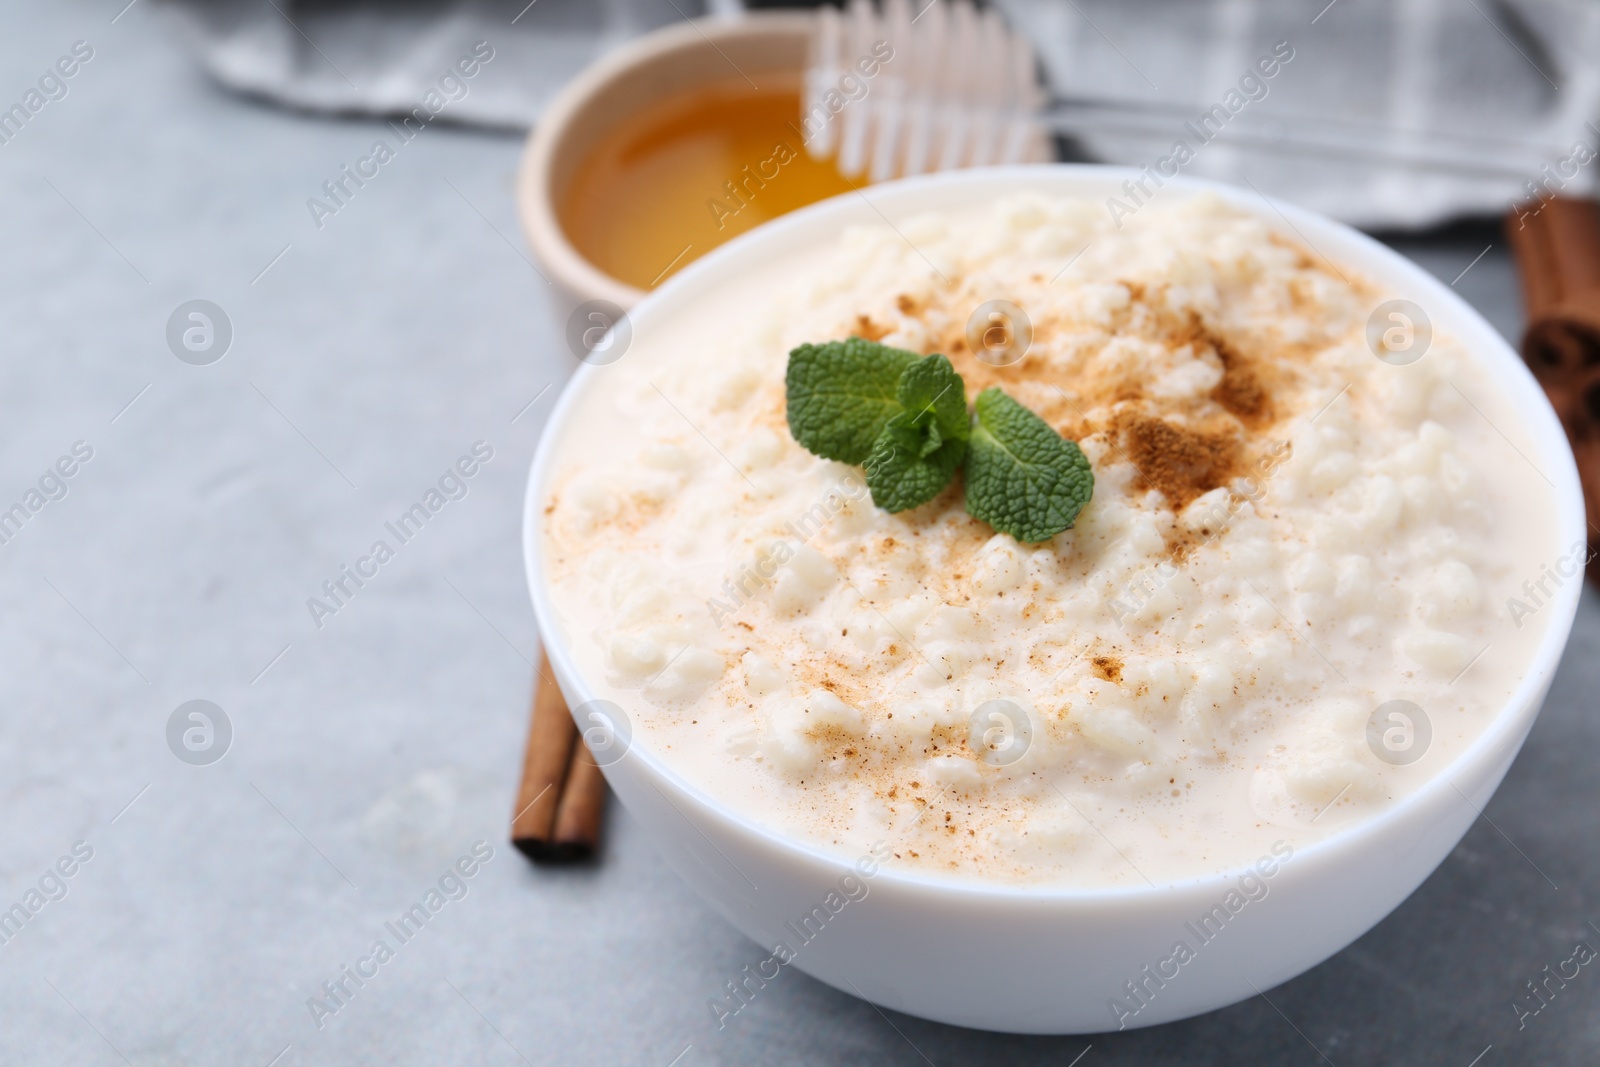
(1499, 741)
(535, 178)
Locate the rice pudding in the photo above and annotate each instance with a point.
(1286, 535)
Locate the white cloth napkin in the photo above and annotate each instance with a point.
(377, 57)
(1519, 83)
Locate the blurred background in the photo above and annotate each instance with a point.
(254, 338)
(1475, 95)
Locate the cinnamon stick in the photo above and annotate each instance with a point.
(583, 803)
(562, 796)
(1557, 247)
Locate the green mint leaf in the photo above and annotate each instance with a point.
(934, 395)
(842, 394)
(911, 464)
(1023, 478)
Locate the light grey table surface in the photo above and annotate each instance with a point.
(373, 752)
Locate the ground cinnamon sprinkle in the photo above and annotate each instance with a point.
(1181, 462)
(1108, 668)
(1240, 390)
(870, 330)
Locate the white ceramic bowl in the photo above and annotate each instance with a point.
(1049, 960)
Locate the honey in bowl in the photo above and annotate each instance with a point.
(682, 176)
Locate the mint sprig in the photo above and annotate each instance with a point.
(905, 418)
